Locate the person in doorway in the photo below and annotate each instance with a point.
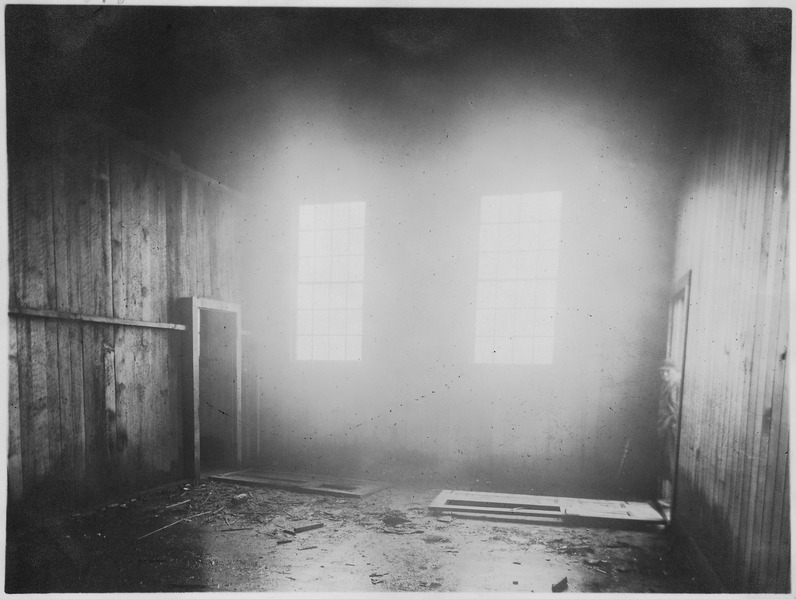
(667, 425)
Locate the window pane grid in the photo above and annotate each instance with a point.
(330, 273)
(517, 269)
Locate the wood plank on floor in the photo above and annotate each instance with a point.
(303, 483)
(568, 508)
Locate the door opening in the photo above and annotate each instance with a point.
(217, 400)
(670, 409)
(211, 385)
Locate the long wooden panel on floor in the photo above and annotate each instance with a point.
(539, 506)
(309, 483)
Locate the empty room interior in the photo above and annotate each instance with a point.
(397, 299)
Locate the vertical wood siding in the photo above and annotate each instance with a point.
(100, 226)
(733, 494)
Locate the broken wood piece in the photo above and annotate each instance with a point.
(303, 483)
(374, 575)
(176, 504)
(394, 518)
(431, 585)
(173, 523)
(306, 548)
(283, 541)
(560, 586)
(235, 529)
(436, 539)
(596, 562)
(395, 531)
(619, 545)
(299, 529)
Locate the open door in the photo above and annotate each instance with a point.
(212, 385)
(671, 400)
(218, 403)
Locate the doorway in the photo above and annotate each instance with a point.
(212, 385)
(670, 408)
(217, 398)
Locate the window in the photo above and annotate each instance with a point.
(330, 272)
(517, 270)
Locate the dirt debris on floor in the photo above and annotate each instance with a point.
(213, 536)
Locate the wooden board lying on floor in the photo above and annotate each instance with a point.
(536, 508)
(303, 483)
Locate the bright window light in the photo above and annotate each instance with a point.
(331, 252)
(517, 273)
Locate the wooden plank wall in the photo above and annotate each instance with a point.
(99, 225)
(733, 495)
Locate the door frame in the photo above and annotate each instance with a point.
(680, 290)
(189, 309)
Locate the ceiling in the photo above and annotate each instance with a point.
(180, 65)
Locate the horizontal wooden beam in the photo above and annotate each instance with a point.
(205, 303)
(125, 322)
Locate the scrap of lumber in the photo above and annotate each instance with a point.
(517, 507)
(308, 527)
(177, 522)
(326, 485)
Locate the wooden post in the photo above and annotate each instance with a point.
(189, 359)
